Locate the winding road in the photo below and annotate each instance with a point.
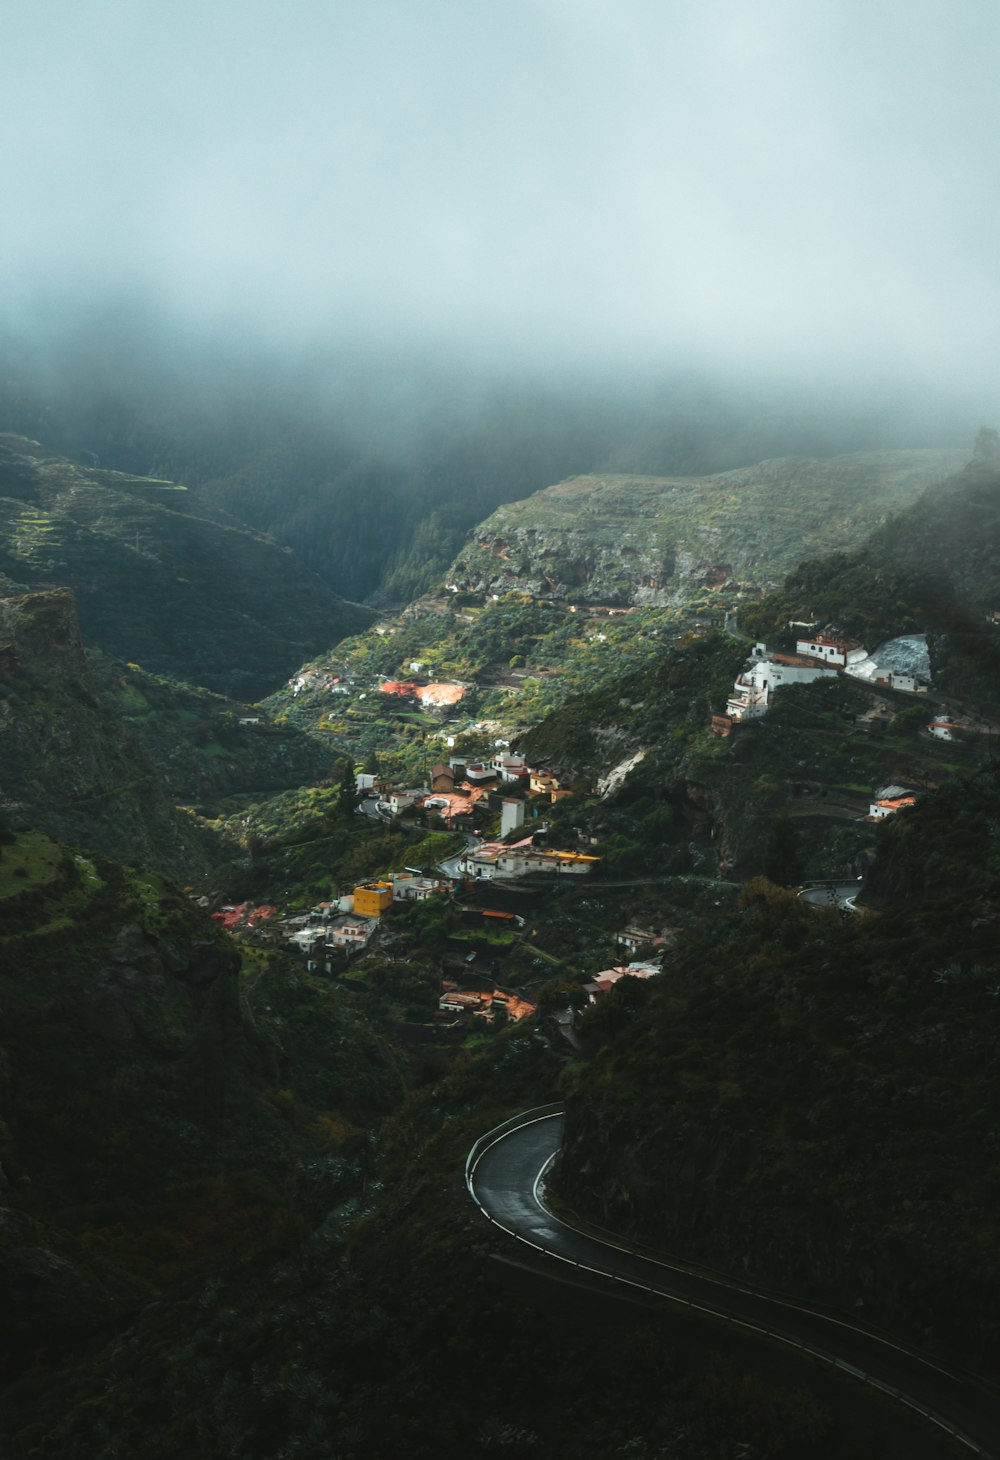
(832, 894)
(505, 1174)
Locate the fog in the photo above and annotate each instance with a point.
(789, 190)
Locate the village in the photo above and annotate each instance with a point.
(500, 807)
(482, 884)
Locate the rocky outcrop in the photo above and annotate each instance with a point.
(67, 763)
(674, 541)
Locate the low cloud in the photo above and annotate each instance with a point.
(783, 187)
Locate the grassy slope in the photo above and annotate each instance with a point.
(70, 765)
(618, 539)
(199, 597)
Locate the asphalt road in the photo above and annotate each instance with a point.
(832, 894)
(508, 1184)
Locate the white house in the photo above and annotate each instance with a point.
(889, 805)
(890, 800)
(896, 679)
(832, 650)
(478, 863)
(763, 674)
(523, 861)
(510, 768)
(477, 772)
(350, 931)
(632, 938)
(409, 887)
(511, 815)
(401, 800)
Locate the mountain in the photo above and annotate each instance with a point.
(166, 1112)
(161, 578)
(808, 1100)
(668, 541)
(205, 746)
(934, 566)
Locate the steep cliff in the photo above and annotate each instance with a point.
(670, 541)
(164, 1114)
(68, 765)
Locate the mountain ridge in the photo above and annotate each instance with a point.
(202, 598)
(626, 539)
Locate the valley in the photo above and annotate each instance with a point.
(296, 907)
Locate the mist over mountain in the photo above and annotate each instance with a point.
(793, 192)
(443, 260)
(474, 375)
(373, 472)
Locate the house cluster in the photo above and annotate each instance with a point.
(416, 692)
(240, 914)
(603, 983)
(438, 695)
(482, 1004)
(504, 783)
(510, 861)
(349, 923)
(816, 656)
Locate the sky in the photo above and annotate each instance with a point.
(785, 185)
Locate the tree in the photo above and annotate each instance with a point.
(783, 862)
(348, 794)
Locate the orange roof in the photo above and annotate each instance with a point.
(440, 694)
(806, 661)
(456, 804)
(230, 917)
(834, 643)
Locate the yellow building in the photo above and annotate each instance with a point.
(372, 898)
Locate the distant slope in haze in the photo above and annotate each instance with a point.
(194, 595)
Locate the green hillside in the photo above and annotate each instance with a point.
(934, 567)
(810, 1100)
(160, 578)
(166, 1113)
(677, 540)
(68, 763)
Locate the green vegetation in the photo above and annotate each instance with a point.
(234, 1215)
(645, 540)
(933, 568)
(71, 767)
(200, 750)
(160, 577)
(306, 845)
(836, 1075)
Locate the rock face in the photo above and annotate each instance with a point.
(69, 766)
(665, 541)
